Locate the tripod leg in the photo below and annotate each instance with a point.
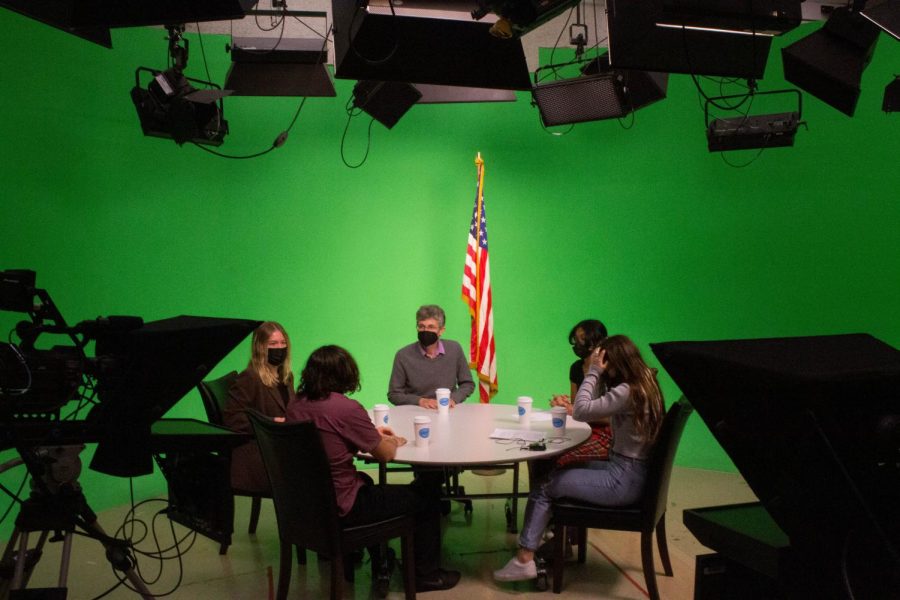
(136, 582)
(25, 559)
(64, 559)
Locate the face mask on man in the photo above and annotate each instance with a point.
(427, 338)
(581, 350)
(276, 356)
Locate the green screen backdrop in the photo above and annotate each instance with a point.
(639, 226)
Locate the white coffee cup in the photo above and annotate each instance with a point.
(422, 428)
(381, 415)
(443, 400)
(524, 410)
(558, 416)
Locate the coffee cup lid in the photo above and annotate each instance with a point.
(422, 419)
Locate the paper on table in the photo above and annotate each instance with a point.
(517, 434)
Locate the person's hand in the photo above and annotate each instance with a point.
(598, 359)
(428, 403)
(388, 434)
(452, 403)
(562, 400)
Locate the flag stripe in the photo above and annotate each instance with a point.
(476, 293)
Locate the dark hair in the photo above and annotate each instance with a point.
(329, 369)
(626, 365)
(594, 333)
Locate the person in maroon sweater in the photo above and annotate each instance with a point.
(346, 429)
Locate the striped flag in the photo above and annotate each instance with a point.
(476, 292)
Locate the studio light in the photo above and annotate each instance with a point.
(829, 62)
(518, 17)
(385, 101)
(454, 94)
(92, 20)
(885, 14)
(279, 67)
(702, 37)
(601, 92)
(746, 132)
(370, 43)
(170, 107)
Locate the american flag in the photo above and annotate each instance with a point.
(476, 292)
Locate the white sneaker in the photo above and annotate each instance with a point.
(516, 571)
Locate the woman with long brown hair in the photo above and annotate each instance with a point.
(634, 403)
(265, 386)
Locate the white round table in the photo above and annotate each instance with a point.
(462, 437)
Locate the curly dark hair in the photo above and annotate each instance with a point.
(329, 369)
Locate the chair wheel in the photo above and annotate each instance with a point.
(467, 507)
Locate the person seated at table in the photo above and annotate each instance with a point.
(267, 387)
(346, 429)
(428, 364)
(634, 403)
(586, 335)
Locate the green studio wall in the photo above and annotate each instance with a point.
(640, 227)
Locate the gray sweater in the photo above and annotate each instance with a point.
(590, 405)
(416, 376)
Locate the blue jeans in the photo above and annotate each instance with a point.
(618, 481)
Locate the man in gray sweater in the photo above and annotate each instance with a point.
(428, 364)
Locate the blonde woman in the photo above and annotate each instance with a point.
(266, 386)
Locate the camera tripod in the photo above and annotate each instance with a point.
(58, 512)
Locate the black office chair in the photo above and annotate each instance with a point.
(306, 507)
(215, 397)
(646, 516)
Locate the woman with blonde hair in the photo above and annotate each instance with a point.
(618, 385)
(267, 387)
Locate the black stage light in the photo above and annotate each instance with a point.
(645, 36)
(892, 96)
(371, 45)
(829, 62)
(746, 132)
(170, 107)
(385, 101)
(599, 93)
(447, 94)
(885, 14)
(92, 20)
(273, 67)
(518, 17)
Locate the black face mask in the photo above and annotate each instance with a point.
(581, 350)
(276, 356)
(427, 338)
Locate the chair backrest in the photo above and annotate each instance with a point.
(662, 457)
(215, 396)
(302, 487)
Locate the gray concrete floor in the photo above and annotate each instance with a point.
(475, 544)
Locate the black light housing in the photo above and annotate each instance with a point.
(93, 19)
(385, 101)
(746, 132)
(829, 62)
(279, 67)
(601, 92)
(170, 107)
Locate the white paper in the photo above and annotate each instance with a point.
(517, 434)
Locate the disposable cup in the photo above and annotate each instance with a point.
(381, 415)
(443, 400)
(422, 428)
(558, 420)
(524, 409)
